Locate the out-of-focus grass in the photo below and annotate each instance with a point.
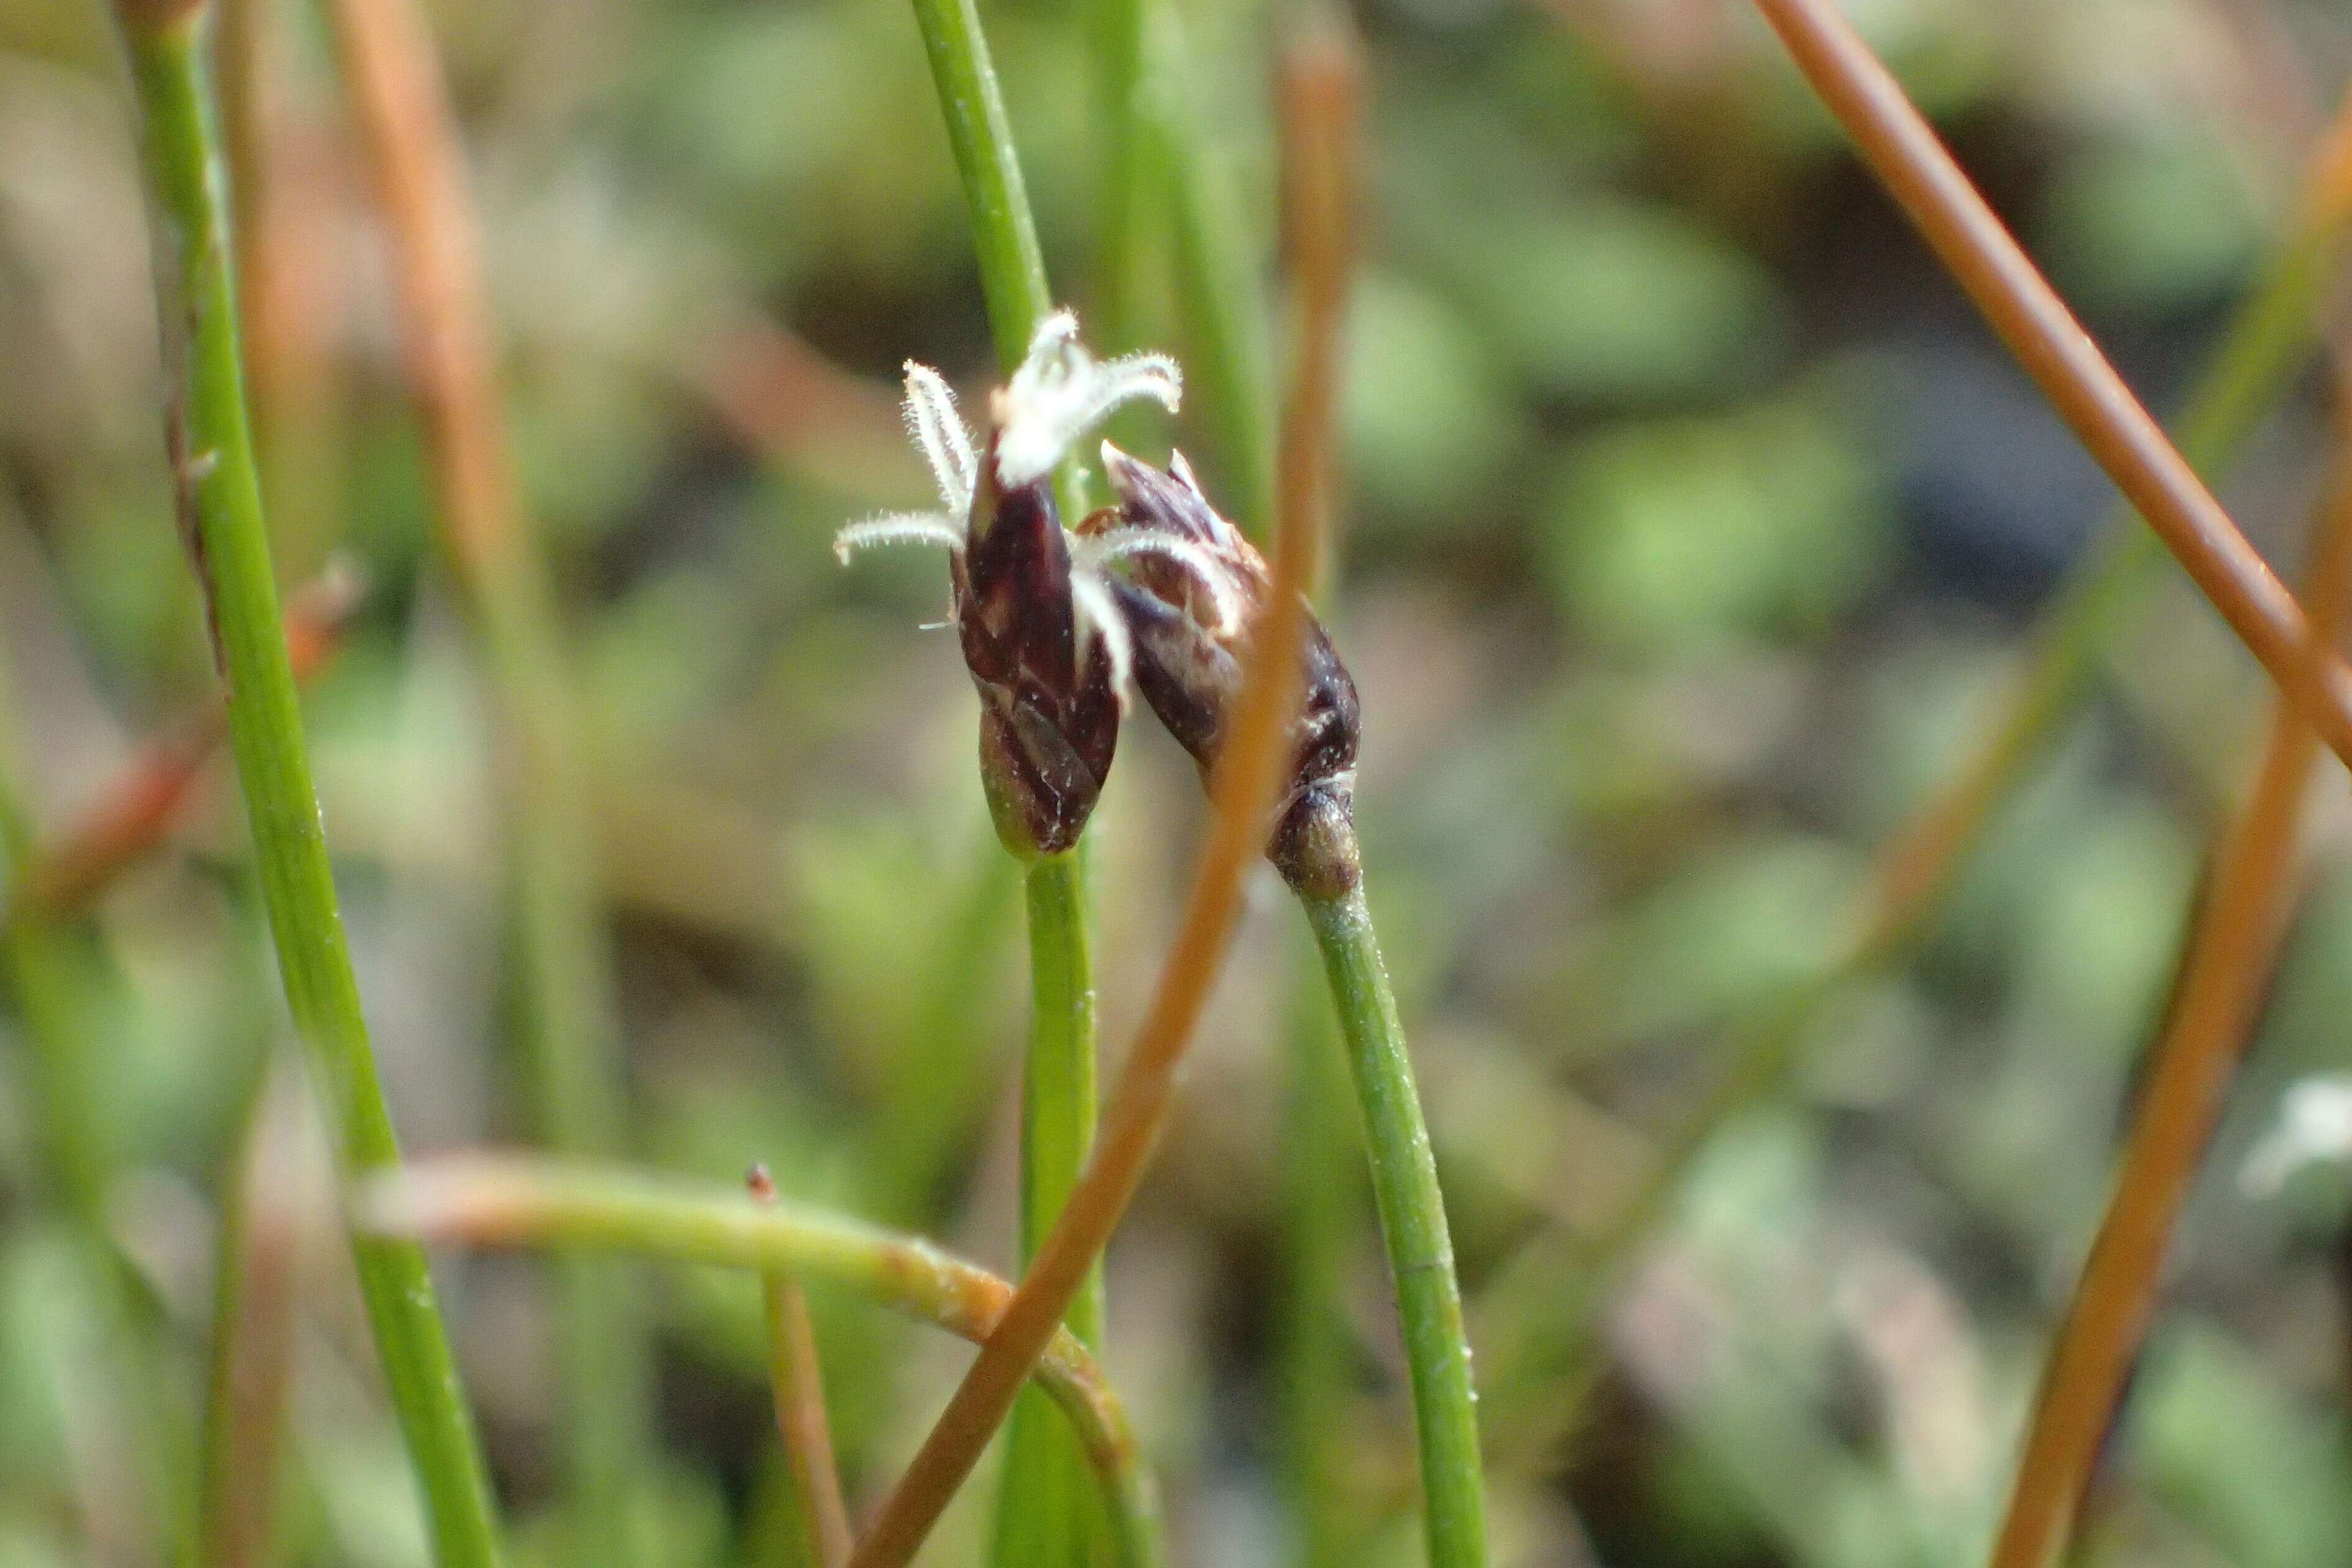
(1691, 531)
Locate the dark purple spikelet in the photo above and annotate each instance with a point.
(1049, 718)
(1187, 610)
(1045, 641)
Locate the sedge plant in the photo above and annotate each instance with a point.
(210, 447)
(1184, 588)
(1058, 1077)
(1230, 660)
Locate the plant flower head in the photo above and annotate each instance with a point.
(1190, 583)
(1043, 639)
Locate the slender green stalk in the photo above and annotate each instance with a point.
(211, 451)
(1534, 1340)
(1218, 269)
(1412, 1223)
(522, 1202)
(1118, 36)
(938, 1090)
(254, 1289)
(569, 1035)
(39, 974)
(1321, 1213)
(1003, 231)
(1012, 266)
(1040, 1519)
(1043, 1517)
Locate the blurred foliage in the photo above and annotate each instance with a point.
(1690, 539)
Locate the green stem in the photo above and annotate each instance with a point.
(1412, 1223)
(1004, 232)
(1218, 269)
(1533, 1339)
(1322, 1211)
(212, 450)
(254, 1268)
(492, 1201)
(1118, 46)
(1040, 1520)
(1043, 1517)
(937, 1088)
(1012, 266)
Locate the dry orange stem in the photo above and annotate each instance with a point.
(1248, 775)
(253, 1335)
(798, 1382)
(411, 143)
(2059, 354)
(2233, 946)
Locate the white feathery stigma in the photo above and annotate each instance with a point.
(940, 435)
(1060, 392)
(1103, 550)
(897, 528)
(1091, 601)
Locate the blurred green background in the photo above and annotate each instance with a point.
(1692, 528)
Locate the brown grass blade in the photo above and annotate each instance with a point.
(2079, 382)
(798, 1380)
(2232, 948)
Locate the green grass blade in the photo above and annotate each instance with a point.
(1044, 1517)
(212, 450)
(523, 1202)
(1057, 1125)
(1228, 348)
(1412, 1224)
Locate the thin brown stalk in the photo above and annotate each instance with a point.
(1243, 793)
(798, 1380)
(569, 1034)
(136, 811)
(253, 1329)
(2232, 948)
(2080, 383)
(403, 115)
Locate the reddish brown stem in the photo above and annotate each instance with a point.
(798, 1380)
(137, 811)
(253, 1329)
(2059, 354)
(2232, 947)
